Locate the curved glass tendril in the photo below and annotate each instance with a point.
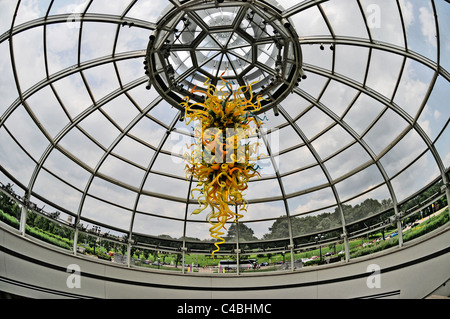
(223, 159)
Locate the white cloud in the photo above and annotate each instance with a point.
(436, 114)
(408, 12)
(428, 25)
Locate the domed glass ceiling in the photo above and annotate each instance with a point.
(81, 133)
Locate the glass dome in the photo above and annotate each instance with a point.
(85, 134)
(237, 42)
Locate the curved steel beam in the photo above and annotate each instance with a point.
(75, 18)
(65, 73)
(379, 45)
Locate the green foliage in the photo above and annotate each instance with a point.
(8, 219)
(429, 225)
(245, 233)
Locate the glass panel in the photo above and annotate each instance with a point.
(72, 92)
(47, 227)
(296, 159)
(258, 190)
(121, 111)
(82, 147)
(134, 151)
(359, 183)
(294, 105)
(108, 7)
(312, 201)
(363, 113)
(435, 114)
(406, 151)
(64, 6)
(305, 179)
(121, 171)
(310, 22)
(313, 122)
(10, 210)
(8, 90)
(102, 243)
(322, 220)
(167, 185)
(106, 214)
(367, 205)
(422, 172)
(199, 231)
(25, 131)
(384, 132)
(165, 113)
(348, 160)
(30, 9)
(48, 111)
(147, 11)
(338, 97)
(319, 252)
(156, 226)
(129, 70)
(97, 40)
(100, 128)
(132, 39)
(14, 160)
(420, 27)
(351, 61)
(416, 79)
(62, 46)
(258, 211)
(443, 147)
(148, 131)
(102, 80)
(384, 72)
(177, 145)
(345, 18)
(112, 193)
(63, 167)
(54, 190)
(263, 229)
(443, 12)
(29, 57)
(287, 138)
(143, 97)
(369, 242)
(313, 85)
(384, 21)
(166, 164)
(312, 55)
(333, 140)
(7, 9)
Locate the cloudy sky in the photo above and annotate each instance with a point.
(89, 120)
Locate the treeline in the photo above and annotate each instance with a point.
(358, 215)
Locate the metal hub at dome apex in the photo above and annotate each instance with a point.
(240, 42)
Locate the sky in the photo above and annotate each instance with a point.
(115, 119)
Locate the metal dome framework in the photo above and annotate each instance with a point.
(123, 181)
(239, 42)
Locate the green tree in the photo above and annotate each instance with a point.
(245, 232)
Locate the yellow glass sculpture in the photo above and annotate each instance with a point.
(223, 159)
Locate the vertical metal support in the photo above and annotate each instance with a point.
(23, 219)
(183, 254)
(238, 251)
(291, 248)
(238, 267)
(129, 253)
(75, 240)
(447, 193)
(346, 246)
(399, 226)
